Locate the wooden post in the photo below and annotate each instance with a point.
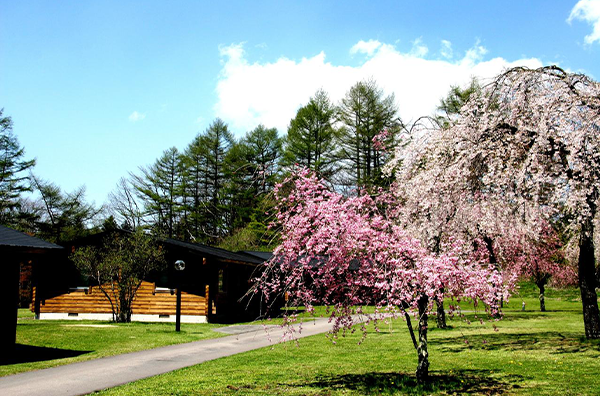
(37, 299)
(208, 305)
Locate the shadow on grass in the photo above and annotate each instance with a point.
(552, 341)
(29, 353)
(511, 316)
(508, 316)
(460, 382)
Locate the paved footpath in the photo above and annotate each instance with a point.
(93, 375)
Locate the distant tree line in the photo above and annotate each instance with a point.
(218, 189)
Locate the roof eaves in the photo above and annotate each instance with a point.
(19, 240)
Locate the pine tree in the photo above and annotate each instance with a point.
(13, 180)
(310, 139)
(455, 99)
(159, 188)
(251, 172)
(218, 142)
(365, 113)
(195, 165)
(264, 151)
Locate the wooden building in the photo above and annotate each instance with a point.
(213, 285)
(17, 248)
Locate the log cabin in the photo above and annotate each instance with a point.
(212, 284)
(16, 249)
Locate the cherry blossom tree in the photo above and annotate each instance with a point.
(541, 259)
(529, 140)
(437, 206)
(440, 204)
(349, 252)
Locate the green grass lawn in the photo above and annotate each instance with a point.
(532, 353)
(25, 313)
(48, 343)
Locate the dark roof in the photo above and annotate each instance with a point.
(19, 240)
(213, 252)
(96, 239)
(320, 260)
(261, 255)
(197, 248)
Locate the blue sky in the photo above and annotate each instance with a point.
(98, 88)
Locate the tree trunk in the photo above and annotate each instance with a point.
(112, 300)
(125, 305)
(441, 315)
(410, 330)
(489, 244)
(542, 287)
(587, 280)
(423, 365)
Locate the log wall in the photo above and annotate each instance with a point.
(148, 300)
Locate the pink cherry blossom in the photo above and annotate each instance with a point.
(350, 252)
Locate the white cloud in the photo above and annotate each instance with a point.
(446, 50)
(270, 93)
(418, 49)
(589, 11)
(365, 47)
(474, 55)
(135, 116)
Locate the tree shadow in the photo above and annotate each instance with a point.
(553, 342)
(459, 382)
(514, 316)
(30, 353)
(508, 316)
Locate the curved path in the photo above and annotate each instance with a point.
(93, 375)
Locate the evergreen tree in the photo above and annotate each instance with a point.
(239, 188)
(264, 148)
(218, 142)
(251, 172)
(310, 140)
(457, 97)
(196, 187)
(365, 113)
(159, 187)
(13, 179)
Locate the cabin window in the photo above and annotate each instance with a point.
(84, 289)
(73, 314)
(221, 281)
(164, 316)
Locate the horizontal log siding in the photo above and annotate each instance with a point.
(145, 302)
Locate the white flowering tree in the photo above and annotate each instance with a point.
(527, 147)
(443, 201)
